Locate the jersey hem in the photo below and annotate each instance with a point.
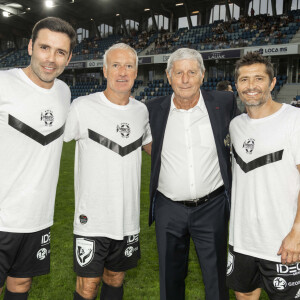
(23, 230)
(111, 236)
(253, 254)
(148, 141)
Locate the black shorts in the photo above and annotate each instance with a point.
(247, 273)
(24, 255)
(93, 254)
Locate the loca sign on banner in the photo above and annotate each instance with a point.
(208, 55)
(274, 50)
(95, 63)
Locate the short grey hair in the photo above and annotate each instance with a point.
(119, 46)
(185, 53)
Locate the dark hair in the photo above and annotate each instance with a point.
(223, 85)
(254, 58)
(56, 25)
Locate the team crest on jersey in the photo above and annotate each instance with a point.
(124, 130)
(230, 263)
(85, 250)
(48, 117)
(249, 145)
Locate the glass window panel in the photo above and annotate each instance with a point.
(194, 20)
(182, 22)
(279, 7)
(216, 12)
(166, 23)
(222, 12)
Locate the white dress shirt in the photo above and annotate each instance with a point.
(189, 161)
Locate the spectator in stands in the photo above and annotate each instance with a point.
(224, 86)
(294, 102)
(190, 177)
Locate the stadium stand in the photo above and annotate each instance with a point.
(247, 31)
(93, 48)
(93, 86)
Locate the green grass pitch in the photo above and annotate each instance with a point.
(140, 283)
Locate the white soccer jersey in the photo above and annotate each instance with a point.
(107, 164)
(265, 187)
(32, 123)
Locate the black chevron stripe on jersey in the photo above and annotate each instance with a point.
(258, 162)
(102, 140)
(33, 134)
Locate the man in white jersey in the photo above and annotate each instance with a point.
(264, 236)
(33, 111)
(110, 128)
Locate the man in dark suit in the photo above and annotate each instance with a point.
(190, 177)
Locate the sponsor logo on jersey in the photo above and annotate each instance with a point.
(124, 130)
(279, 283)
(45, 239)
(85, 250)
(227, 140)
(297, 295)
(83, 219)
(295, 283)
(288, 269)
(230, 263)
(130, 250)
(132, 239)
(249, 145)
(47, 117)
(41, 254)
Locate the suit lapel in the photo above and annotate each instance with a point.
(213, 112)
(162, 118)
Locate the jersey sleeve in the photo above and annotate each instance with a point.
(147, 137)
(295, 139)
(296, 146)
(72, 129)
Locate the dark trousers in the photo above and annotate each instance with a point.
(207, 225)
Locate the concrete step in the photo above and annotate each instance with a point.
(150, 47)
(296, 37)
(288, 92)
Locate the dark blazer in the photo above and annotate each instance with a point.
(221, 107)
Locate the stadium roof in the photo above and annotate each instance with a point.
(23, 14)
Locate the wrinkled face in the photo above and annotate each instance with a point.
(185, 79)
(50, 54)
(253, 85)
(120, 71)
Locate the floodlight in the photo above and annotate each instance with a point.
(49, 3)
(5, 14)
